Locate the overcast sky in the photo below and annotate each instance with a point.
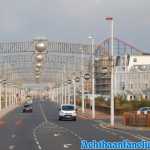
(74, 20)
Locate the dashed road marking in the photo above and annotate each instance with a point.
(39, 147)
(43, 114)
(37, 142)
(50, 126)
(13, 136)
(67, 145)
(57, 134)
(11, 147)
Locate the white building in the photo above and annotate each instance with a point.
(133, 79)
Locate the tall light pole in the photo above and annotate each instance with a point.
(112, 70)
(65, 84)
(93, 75)
(69, 91)
(82, 80)
(62, 100)
(76, 80)
(0, 95)
(74, 92)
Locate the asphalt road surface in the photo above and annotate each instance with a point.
(41, 130)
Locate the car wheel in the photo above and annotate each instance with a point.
(59, 118)
(74, 119)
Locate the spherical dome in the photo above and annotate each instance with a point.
(38, 73)
(38, 65)
(37, 76)
(40, 47)
(39, 57)
(37, 69)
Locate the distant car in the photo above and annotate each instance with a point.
(144, 110)
(27, 108)
(67, 112)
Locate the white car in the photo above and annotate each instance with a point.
(67, 111)
(144, 110)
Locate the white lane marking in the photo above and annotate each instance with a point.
(37, 142)
(35, 139)
(34, 136)
(46, 122)
(43, 114)
(67, 145)
(11, 147)
(13, 136)
(124, 132)
(122, 137)
(57, 134)
(144, 137)
(39, 147)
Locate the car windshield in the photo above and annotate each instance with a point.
(27, 105)
(67, 108)
(144, 109)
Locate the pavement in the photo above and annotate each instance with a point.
(4, 112)
(88, 114)
(103, 120)
(41, 130)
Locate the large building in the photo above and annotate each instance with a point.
(103, 76)
(131, 70)
(134, 79)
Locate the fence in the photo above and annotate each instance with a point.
(134, 119)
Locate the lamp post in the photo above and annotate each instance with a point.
(62, 92)
(112, 71)
(69, 92)
(65, 84)
(82, 80)
(76, 80)
(93, 76)
(74, 92)
(0, 96)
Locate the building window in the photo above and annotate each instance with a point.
(134, 59)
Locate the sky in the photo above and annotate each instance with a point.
(75, 20)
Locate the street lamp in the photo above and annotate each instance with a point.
(93, 76)
(69, 82)
(65, 84)
(87, 76)
(76, 80)
(112, 70)
(82, 81)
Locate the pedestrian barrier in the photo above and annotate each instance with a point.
(134, 119)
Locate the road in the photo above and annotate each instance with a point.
(41, 130)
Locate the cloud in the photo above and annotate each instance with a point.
(74, 19)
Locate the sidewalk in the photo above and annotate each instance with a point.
(88, 115)
(103, 120)
(3, 112)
